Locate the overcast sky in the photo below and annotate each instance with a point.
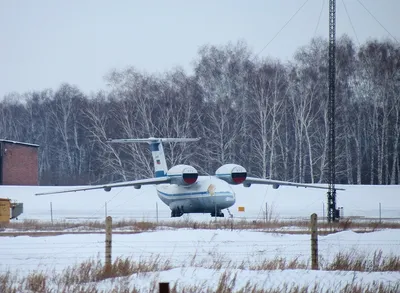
(46, 43)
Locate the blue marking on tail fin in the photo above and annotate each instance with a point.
(154, 146)
(160, 174)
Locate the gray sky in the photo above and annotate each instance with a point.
(45, 43)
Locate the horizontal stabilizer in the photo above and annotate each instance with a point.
(156, 148)
(152, 140)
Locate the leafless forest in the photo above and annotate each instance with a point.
(267, 115)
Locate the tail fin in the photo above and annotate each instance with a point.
(157, 150)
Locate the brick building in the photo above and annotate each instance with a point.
(18, 163)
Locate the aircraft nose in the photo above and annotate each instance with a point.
(231, 196)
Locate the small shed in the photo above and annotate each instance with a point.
(18, 163)
(4, 210)
(9, 210)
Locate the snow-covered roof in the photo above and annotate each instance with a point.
(18, 142)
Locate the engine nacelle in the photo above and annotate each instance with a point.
(231, 173)
(183, 175)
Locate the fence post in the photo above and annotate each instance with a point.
(314, 242)
(51, 212)
(380, 213)
(157, 211)
(164, 287)
(108, 245)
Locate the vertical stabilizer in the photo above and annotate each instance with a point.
(160, 164)
(157, 150)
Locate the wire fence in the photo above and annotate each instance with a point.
(57, 253)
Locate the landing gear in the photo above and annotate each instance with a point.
(219, 214)
(178, 212)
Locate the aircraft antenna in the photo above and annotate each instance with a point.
(332, 214)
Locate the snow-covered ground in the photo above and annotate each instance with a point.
(192, 251)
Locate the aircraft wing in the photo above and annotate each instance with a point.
(108, 187)
(277, 183)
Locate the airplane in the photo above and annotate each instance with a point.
(181, 187)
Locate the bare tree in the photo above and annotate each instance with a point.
(308, 99)
(268, 88)
(220, 74)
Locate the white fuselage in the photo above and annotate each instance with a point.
(206, 195)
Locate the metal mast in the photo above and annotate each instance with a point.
(332, 216)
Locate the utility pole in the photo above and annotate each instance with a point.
(332, 216)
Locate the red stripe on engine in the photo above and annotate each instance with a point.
(239, 180)
(190, 179)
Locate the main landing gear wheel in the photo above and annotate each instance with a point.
(220, 214)
(178, 212)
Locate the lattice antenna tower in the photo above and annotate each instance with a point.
(332, 214)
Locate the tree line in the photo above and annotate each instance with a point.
(267, 115)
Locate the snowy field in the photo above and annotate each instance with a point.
(190, 252)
